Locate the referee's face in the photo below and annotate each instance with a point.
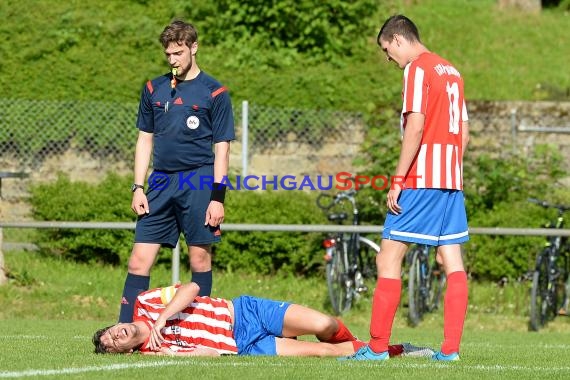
(180, 56)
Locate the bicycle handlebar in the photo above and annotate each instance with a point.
(545, 204)
(348, 195)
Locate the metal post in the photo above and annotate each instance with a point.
(244, 137)
(514, 130)
(176, 263)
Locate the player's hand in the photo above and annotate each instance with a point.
(392, 200)
(214, 214)
(156, 337)
(139, 204)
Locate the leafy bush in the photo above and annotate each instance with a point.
(270, 252)
(64, 200)
(108, 201)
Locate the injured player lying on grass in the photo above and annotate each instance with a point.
(176, 321)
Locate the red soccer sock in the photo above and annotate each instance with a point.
(343, 334)
(384, 306)
(358, 344)
(454, 311)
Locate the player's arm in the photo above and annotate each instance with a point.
(410, 142)
(183, 297)
(410, 145)
(215, 211)
(143, 151)
(199, 351)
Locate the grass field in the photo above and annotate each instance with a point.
(50, 309)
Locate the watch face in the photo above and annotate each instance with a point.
(135, 186)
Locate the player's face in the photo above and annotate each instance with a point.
(180, 56)
(390, 47)
(121, 338)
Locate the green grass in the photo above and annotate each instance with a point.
(50, 309)
(107, 51)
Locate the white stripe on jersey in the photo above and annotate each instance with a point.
(198, 318)
(458, 175)
(448, 165)
(210, 307)
(418, 90)
(464, 116)
(406, 71)
(436, 166)
(218, 338)
(421, 180)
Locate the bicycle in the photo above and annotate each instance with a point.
(550, 283)
(426, 281)
(350, 258)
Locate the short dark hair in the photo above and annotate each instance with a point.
(100, 348)
(399, 24)
(180, 32)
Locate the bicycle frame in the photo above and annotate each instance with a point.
(347, 256)
(550, 281)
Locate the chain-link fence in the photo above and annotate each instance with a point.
(278, 140)
(98, 136)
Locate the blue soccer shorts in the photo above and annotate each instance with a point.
(429, 216)
(178, 202)
(257, 322)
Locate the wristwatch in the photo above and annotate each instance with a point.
(135, 187)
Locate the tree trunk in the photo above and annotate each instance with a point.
(531, 6)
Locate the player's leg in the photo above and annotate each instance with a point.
(454, 232)
(293, 347)
(152, 230)
(455, 299)
(200, 257)
(387, 293)
(192, 204)
(300, 320)
(138, 277)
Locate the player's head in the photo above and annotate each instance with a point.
(397, 37)
(180, 42)
(400, 25)
(180, 32)
(121, 338)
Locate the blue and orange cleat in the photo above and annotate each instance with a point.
(365, 353)
(440, 356)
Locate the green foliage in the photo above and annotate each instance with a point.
(271, 252)
(64, 200)
(108, 201)
(284, 29)
(107, 50)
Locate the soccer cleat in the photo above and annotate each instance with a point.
(440, 356)
(412, 351)
(365, 353)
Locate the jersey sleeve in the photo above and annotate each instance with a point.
(222, 116)
(415, 93)
(145, 118)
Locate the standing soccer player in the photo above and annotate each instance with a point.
(430, 209)
(185, 122)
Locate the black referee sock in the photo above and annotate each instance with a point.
(204, 281)
(134, 285)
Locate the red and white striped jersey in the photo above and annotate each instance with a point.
(206, 322)
(433, 87)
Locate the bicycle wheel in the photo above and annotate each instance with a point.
(416, 302)
(367, 257)
(436, 284)
(541, 307)
(338, 282)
